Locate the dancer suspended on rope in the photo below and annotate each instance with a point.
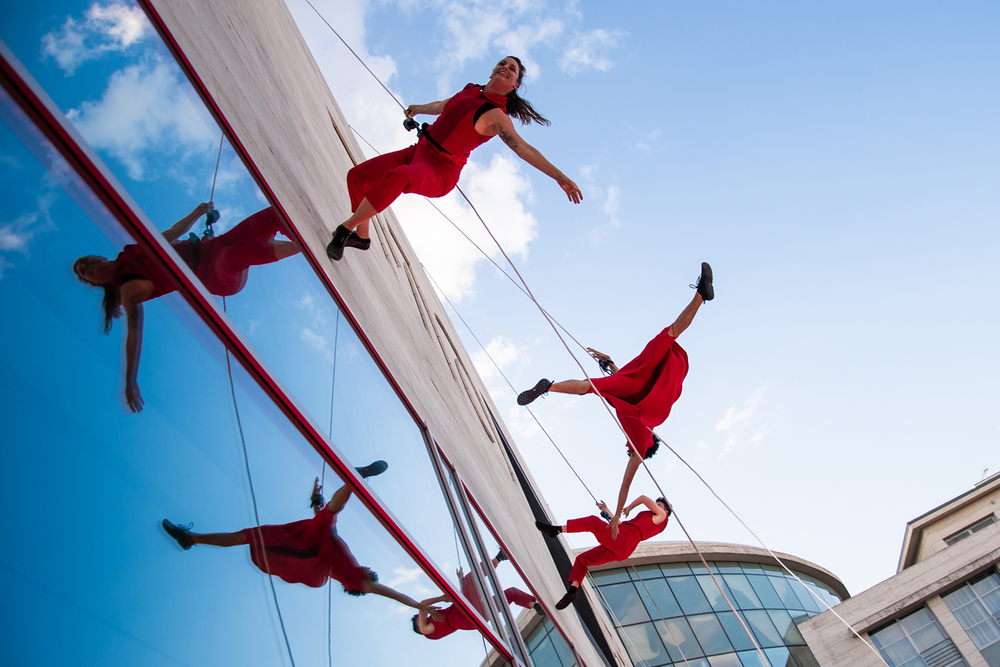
(613, 547)
(453, 618)
(220, 262)
(305, 552)
(642, 391)
(431, 167)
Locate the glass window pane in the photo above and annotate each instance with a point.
(992, 601)
(785, 593)
(763, 629)
(786, 628)
(984, 634)
(675, 569)
(725, 660)
(714, 595)
(779, 657)
(970, 614)
(729, 568)
(765, 592)
(625, 604)
(609, 577)
(986, 584)
(662, 604)
(887, 635)
(752, 659)
(735, 631)
(743, 594)
(927, 636)
(544, 653)
(710, 634)
(809, 603)
(689, 595)
(899, 653)
(644, 645)
(678, 638)
(915, 621)
(956, 599)
(645, 572)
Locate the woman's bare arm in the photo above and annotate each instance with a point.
(429, 109)
(496, 122)
(182, 226)
(133, 293)
(634, 462)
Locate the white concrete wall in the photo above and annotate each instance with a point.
(258, 68)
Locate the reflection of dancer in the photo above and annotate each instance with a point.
(643, 391)
(613, 548)
(453, 618)
(431, 167)
(304, 552)
(220, 263)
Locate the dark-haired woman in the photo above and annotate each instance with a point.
(305, 552)
(614, 546)
(220, 263)
(431, 167)
(643, 391)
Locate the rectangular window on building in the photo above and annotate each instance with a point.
(916, 640)
(970, 530)
(976, 605)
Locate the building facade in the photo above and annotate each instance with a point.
(242, 366)
(941, 608)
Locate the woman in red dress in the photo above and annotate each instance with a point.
(613, 546)
(431, 167)
(643, 391)
(305, 552)
(220, 262)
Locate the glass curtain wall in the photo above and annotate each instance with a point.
(673, 613)
(124, 408)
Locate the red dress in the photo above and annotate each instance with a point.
(456, 619)
(307, 552)
(643, 390)
(423, 168)
(630, 533)
(220, 262)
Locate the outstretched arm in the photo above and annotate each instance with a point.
(495, 122)
(391, 593)
(429, 109)
(133, 293)
(634, 462)
(600, 355)
(182, 226)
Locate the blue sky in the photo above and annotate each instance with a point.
(836, 164)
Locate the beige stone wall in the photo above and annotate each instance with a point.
(932, 539)
(833, 643)
(258, 68)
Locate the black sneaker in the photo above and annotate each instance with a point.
(539, 389)
(372, 469)
(501, 556)
(704, 285)
(335, 249)
(538, 609)
(179, 533)
(569, 598)
(355, 241)
(551, 531)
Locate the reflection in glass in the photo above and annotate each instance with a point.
(307, 552)
(644, 645)
(221, 263)
(548, 648)
(453, 618)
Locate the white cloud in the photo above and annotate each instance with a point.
(500, 192)
(146, 107)
(502, 351)
(732, 417)
(404, 576)
(17, 234)
(318, 342)
(649, 142)
(612, 204)
(730, 444)
(588, 50)
(104, 29)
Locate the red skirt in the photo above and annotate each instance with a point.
(307, 552)
(644, 390)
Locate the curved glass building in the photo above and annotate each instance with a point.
(667, 609)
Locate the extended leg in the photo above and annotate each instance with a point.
(683, 320)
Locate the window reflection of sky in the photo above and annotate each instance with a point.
(120, 591)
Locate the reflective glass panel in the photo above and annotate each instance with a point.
(744, 596)
(660, 602)
(716, 597)
(763, 628)
(735, 631)
(765, 592)
(789, 600)
(689, 594)
(679, 639)
(710, 634)
(725, 660)
(624, 602)
(643, 644)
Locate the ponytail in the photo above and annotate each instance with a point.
(520, 108)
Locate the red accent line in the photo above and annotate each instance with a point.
(503, 545)
(248, 162)
(40, 109)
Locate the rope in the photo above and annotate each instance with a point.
(253, 498)
(218, 159)
(556, 327)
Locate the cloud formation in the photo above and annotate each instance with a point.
(146, 107)
(103, 29)
(589, 50)
(502, 351)
(733, 418)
